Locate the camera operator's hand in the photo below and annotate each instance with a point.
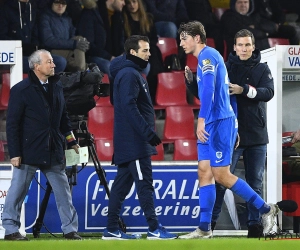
(76, 147)
(155, 140)
(82, 44)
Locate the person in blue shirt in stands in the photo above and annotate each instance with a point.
(216, 131)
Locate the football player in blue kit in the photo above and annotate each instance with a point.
(216, 131)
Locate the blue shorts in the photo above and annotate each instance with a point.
(220, 144)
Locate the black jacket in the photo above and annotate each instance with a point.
(251, 116)
(36, 121)
(134, 122)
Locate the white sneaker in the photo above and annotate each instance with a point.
(197, 234)
(268, 219)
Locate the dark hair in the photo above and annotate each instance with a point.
(244, 33)
(193, 29)
(132, 42)
(145, 19)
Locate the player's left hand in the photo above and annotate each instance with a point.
(202, 135)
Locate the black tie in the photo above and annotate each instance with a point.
(46, 86)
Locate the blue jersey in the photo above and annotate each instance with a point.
(213, 86)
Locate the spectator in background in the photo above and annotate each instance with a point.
(91, 26)
(238, 17)
(201, 11)
(111, 14)
(291, 6)
(18, 22)
(74, 8)
(168, 14)
(57, 34)
(138, 22)
(272, 11)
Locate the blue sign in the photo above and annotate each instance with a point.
(175, 197)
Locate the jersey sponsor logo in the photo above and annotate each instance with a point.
(206, 62)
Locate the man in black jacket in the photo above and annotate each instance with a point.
(252, 84)
(134, 139)
(37, 128)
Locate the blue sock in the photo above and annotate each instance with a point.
(207, 198)
(265, 208)
(242, 189)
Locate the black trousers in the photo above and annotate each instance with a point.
(140, 172)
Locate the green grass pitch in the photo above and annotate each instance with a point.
(94, 242)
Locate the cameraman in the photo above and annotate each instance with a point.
(37, 123)
(134, 139)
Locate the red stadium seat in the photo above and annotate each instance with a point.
(210, 42)
(5, 90)
(197, 102)
(2, 153)
(167, 46)
(278, 41)
(192, 62)
(101, 122)
(185, 150)
(179, 123)
(171, 89)
(105, 149)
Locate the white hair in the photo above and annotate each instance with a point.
(35, 57)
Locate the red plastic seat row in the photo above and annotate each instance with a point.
(105, 150)
(5, 90)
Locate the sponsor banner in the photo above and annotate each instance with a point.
(291, 57)
(175, 197)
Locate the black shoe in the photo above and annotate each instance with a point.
(255, 231)
(15, 236)
(72, 236)
(213, 225)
